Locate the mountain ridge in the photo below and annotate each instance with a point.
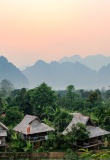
(60, 75)
(92, 61)
(12, 73)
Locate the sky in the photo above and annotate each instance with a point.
(51, 29)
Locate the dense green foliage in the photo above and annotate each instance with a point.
(53, 108)
(78, 133)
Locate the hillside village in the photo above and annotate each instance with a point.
(42, 119)
(54, 80)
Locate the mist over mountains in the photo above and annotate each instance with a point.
(93, 62)
(59, 75)
(12, 73)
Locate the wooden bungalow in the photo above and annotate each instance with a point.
(95, 133)
(3, 135)
(31, 128)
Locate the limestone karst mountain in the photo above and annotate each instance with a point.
(55, 74)
(60, 75)
(12, 73)
(93, 61)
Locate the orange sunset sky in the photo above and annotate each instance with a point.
(50, 29)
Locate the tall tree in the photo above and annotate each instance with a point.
(42, 97)
(5, 88)
(23, 101)
(1, 105)
(70, 96)
(13, 116)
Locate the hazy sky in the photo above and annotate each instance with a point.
(50, 29)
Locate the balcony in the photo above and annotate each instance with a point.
(89, 144)
(36, 138)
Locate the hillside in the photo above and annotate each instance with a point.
(12, 73)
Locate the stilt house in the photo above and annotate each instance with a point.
(95, 133)
(31, 128)
(3, 135)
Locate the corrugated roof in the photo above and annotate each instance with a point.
(37, 128)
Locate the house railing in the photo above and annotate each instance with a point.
(89, 144)
(36, 138)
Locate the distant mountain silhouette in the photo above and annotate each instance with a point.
(55, 74)
(93, 61)
(104, 75)
(10, 72)
(60, 75)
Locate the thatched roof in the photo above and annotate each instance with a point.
(38, 127)
(3, 132)
(90, 126)
(3, 126)
(96, 131)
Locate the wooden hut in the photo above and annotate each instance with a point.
(3, 135)
(95, 133)
(31, 128)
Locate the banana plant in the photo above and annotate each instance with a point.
(28, 147)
